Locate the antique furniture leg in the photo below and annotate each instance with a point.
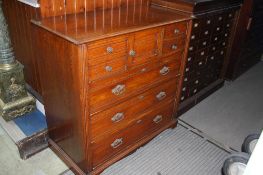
(14, 100)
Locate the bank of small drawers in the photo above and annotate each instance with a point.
(133, 82)
(207, 50)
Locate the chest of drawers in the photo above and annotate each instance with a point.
(213, 28)
(109, 88)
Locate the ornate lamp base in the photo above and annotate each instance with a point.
(14, 99)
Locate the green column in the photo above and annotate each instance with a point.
(14, 99)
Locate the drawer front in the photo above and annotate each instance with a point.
(106, 147)
(173, 45)
(174, 30)
(108, 50)
(132, 85)
(146, 47)
(121, 115)
(107, 68)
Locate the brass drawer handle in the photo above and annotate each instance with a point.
(165, 70)
(158, 119)
(117, 117)
(117, 143)
(176, 31)
(108, 68)
(109, 49)
(118, 90)
(161, 96)
(174, 47)
(132, 53)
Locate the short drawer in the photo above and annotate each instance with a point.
(131, 86)
(174, 30)
(121, 115)
(106, 147)
(173, 45)
(107, 68)
(107, 50)
(203, 43)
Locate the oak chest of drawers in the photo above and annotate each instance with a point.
(111, 82)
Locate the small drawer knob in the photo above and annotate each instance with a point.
(184, 89)
(174, 47)
(193, 37)
(165, 70)
(118, 90)
(117, 143)
(197, 81)
(176, 31)
(158, 119)
(208, 22)
(109, 49)
(189, 59)
(206, 32)
(185, 79)
(108, 68)
(187, 69)
(204, 43)
(161, 96)
(191, 48)
(212, 57)
(182, 98)
(132, 53)
(195, 90)
(196, 25)
(117, 117)
(200, 63)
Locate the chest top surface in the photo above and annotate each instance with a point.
(99, 24)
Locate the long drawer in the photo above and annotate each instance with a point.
(121, 115)
(108, 146)
(132, 85)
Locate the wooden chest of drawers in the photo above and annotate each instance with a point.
(209, 48)
(110, 88)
